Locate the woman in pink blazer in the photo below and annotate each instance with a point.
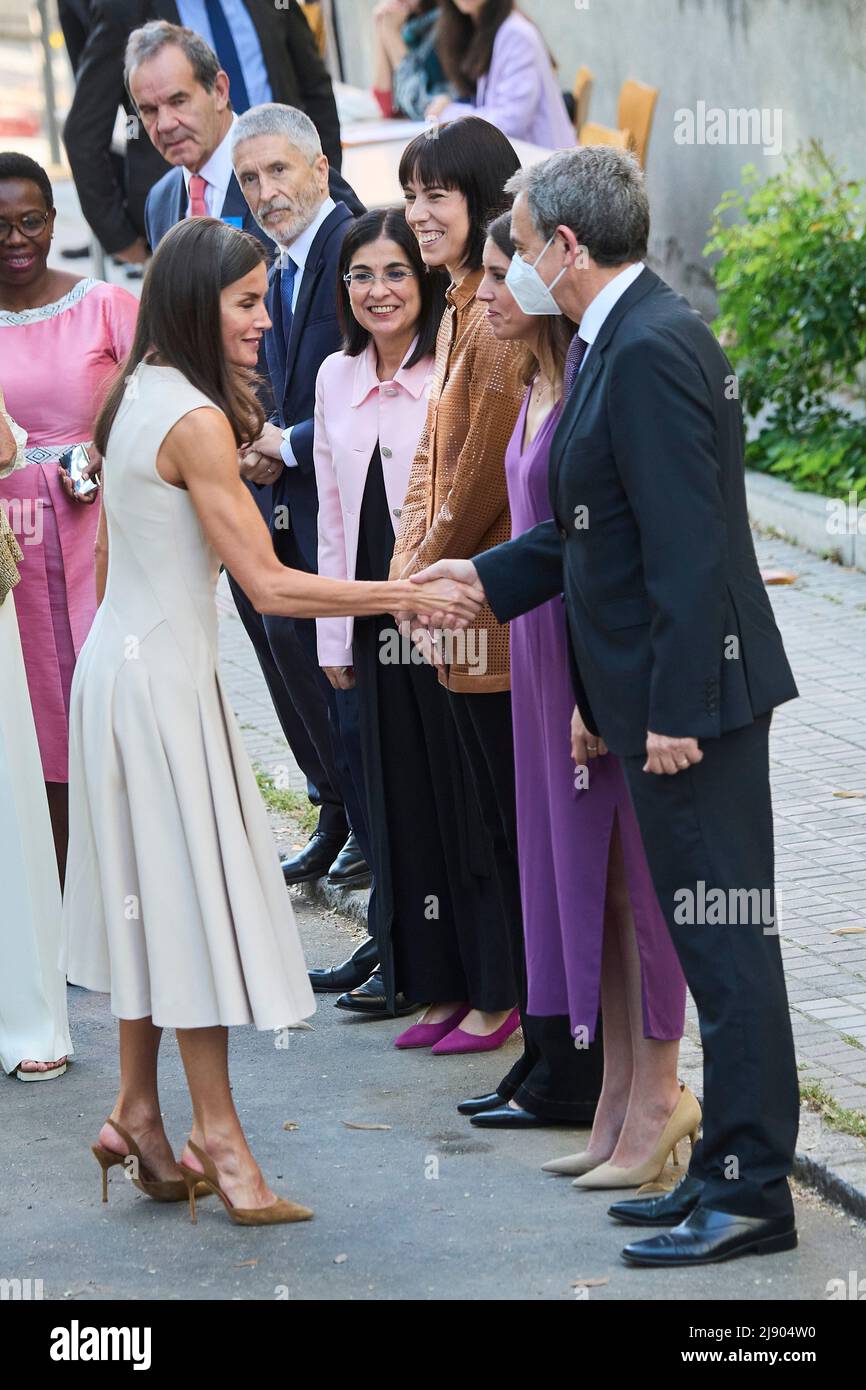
(430, 856)
(501, 68)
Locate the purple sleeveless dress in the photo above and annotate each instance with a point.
(564, 831)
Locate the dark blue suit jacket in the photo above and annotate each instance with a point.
(166, 205)
(671, 628)
(315, 335)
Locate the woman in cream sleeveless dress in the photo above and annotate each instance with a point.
(175, 902)
(34, 1032)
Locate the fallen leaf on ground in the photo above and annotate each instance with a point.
(588, 1283)
(779, 576)
(290, 1124)
(850, 796)
(351, 1124)
(848, 931)
(244, 1264)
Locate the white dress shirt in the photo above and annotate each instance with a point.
(217, 173)
(299, 251)
(596, 313)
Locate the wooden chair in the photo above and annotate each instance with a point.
(315, 17)
(582, 93)
(637, 104)
(593, 134)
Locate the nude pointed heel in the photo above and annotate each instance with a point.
(158, 1189)
(683, 1123)
(279, 1212)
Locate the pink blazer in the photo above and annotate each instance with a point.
(354, 410)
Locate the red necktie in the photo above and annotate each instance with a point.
(197, 205)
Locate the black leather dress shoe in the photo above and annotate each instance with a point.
(339, 978)
(370, 999)
(504, 1117)
(349, 869)
(707, 1236)
(668, 1210)
(492, 1101)
(313, 861)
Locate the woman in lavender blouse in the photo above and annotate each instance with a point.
(501, 69)
(595, 935)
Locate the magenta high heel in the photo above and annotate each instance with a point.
(458, 1041)
(425, 1034)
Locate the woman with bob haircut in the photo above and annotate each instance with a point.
(456, 504)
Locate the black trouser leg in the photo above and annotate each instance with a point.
(708, 834)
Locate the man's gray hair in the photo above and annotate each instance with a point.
(596, 190)
(272, 118)
(151, 38)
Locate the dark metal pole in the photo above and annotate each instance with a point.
(48, 81)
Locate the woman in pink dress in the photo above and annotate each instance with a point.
(61, 337)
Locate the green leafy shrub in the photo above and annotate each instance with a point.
(791, 281)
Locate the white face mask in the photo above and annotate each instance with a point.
(528, 288)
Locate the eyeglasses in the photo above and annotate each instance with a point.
(363, 278)
(30, 225)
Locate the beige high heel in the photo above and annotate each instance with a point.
(280, 1211)
(572, 1166)
(683, 1123)
(160, 1189)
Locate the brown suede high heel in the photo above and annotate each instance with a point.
(280, 1211)
(160, 1189)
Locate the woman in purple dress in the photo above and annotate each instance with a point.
(595, 936)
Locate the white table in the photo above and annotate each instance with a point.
(371, 168)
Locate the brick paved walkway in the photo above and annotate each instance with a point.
(818, 748)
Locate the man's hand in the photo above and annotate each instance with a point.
(134, 254)
(584, 745)
(257, 468)
(670, 755)
(341, 677)
(472, 591)
(269, 441)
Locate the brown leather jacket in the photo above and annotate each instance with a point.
(457, 502)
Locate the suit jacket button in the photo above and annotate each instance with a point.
(386, 452)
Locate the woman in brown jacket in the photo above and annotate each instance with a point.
(457, 504)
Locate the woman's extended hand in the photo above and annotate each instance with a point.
(437, 106)
(341, 677)
(92, 469)
(584, 745)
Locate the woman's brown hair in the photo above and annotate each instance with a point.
(557, 331)
(464, 48)
(179, 320)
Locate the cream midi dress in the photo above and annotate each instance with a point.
(175, 902)
(33, 1023)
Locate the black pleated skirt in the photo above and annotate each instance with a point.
(439, 919)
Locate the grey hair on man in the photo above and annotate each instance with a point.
(151, 38)
(596, 190)
(272, 118)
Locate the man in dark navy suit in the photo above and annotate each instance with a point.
(283, 175)
(677, 664)
(268, 52)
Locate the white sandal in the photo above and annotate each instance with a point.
(41, 1075)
